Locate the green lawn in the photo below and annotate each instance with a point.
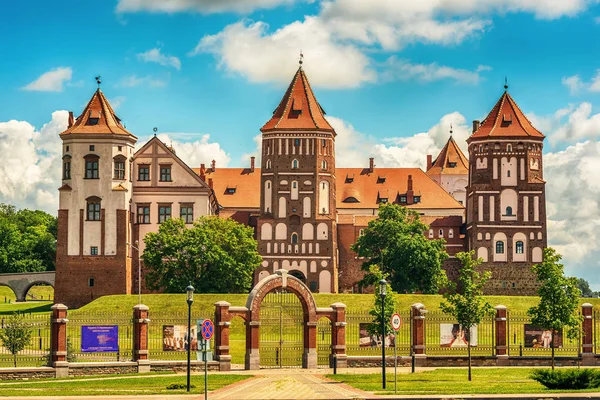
(451, 381)
(137, 385)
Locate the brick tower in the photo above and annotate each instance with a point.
(506, 206)
(450, 170)
(94, 225)
(297, 222)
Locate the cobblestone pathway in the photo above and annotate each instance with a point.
(293, 386)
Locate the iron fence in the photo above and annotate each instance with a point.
(360, 343)
(444, 336)
(37, 351)
(167, 335)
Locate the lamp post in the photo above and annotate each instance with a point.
(190, 300)
(382, 293)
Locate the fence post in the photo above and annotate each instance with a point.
(140, 337)
(418, 333)
(58, 340)
(588, 356)
(500, 328)
(222, 323)
(339, 359)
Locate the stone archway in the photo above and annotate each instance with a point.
(251, 315)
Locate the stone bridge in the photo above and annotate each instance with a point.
(21, 283)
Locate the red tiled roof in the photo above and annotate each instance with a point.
(245, 183)
(506, 120)
(298, 109)
(451, 153)
(98, 117)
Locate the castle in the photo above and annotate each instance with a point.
(306, 213)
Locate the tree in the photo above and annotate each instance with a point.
(389, 306)
(15, 335)
(465, 300)
(217, 255)
(559, 298)
(584, 286)
(395, 241)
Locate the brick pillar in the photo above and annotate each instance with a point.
(58, 340)
(500, 328)
(309, 357)
(588, 356)
(338, 336)
(252, 360)
(418, 329)
(140, 337)
(222, 323)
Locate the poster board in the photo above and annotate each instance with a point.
(100, 339)
(175, 338)
(453, 335)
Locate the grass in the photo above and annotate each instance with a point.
(137, 385)
(451, 381)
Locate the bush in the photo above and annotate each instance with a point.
(567, 378)
(174, 386)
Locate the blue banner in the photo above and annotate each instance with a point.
(100, 339)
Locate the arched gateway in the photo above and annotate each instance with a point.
(281, 280)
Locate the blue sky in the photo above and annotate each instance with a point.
(391, 74)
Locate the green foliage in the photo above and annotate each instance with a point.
(389, 305)
(584, 286)
(15, 335)
(216, 255)
(395, 241)
(27, 240)
(572, 378)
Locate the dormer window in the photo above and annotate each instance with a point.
(506, 118)
(452, 165)
(230, 190)
(351, 200)
(349, 179)
(402, 199)
(93, 118)
(383, 200)
(297, 105)
(417, 199)
(381, 179)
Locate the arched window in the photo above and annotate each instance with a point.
(509, 147)
(119, 170)
(93, 208)
(509, 210)
(451, 233)
(508, 174)
(441, 233)
(480, 148)
(431, 234)
(519, 247)
(295, 164)
(294, 238)
(323, 165)
(67, 167)
(499, 247)
(91, 166)
(268, 164)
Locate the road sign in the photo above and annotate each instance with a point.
(207, 329)
(396, 322)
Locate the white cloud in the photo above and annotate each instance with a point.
(574, 83)
(245, 158)
(31, 166)
(405, 70)
(51, 81)
(134, 80)
(155, 55)
(116, 102)
(200, 6)
(570, 124)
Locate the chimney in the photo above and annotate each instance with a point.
(429, 162)
(203, 172)
(71, 119)
(252, 163)
(213, 165)
(210, 183)
(409, 192)
(371, 164)
(475, 125)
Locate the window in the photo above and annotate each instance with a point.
(294, 185)
(119, 169)
(402, 199)
(93, 210)
(417, 199)
(508, 173)
(294, 238)
(509, 147)
(187, 213)
(480, 148)
(92, 147)
(451, 233)
(381, 179)
(94, 250)
(296, 142)
(91, 168)
(323, 165)
(120, 148)
(165, 173)
(91, 282)
(520, 248)
(509, 210)
(143, 214)
(143, 173)
(295, 164)
(67, 149)
(431, 234)
(452, 164)
(323, 142)
(67, 168)
(499, 247)
(230, 190)
(164, 213)
(361, 232)
(268, 164)
(441, 233)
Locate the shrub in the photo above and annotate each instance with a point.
(572, 378)
(174, 386)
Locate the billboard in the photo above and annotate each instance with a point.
(175, 338)
(366, 340)
(100, 339)
(453, 335)
(540, 338)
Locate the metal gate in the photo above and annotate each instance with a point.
(281, 330)
(323, 342)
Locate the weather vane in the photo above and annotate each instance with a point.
(505, 83)
(155, 129)
(451, 130)
(301, 58)
(98, 81)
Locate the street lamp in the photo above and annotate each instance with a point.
(190, 300)
(382, 293)
(139, 270)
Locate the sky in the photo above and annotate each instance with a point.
(392, 75)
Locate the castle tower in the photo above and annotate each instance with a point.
(506, 206)
(94, 224)
(297, 222)
(450, 170)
